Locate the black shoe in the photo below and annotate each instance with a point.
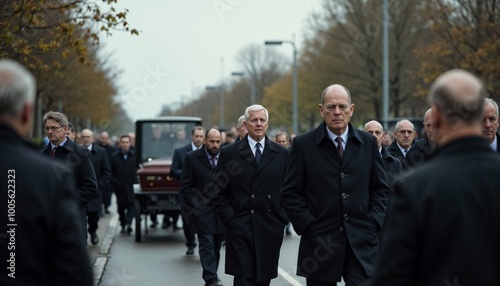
(177, 228)
(213, 282)
(129, 230)
(190, 251)
(106, 211)
(94, 238)
(123, 230)
(154, 224)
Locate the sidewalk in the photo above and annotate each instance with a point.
(98, 254)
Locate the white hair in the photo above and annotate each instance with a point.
(17, 87)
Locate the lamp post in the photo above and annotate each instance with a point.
(385, 78)
(252, 87)
(294, 98)
(219, 88)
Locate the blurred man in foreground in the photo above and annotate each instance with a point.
(41, 235)
(443, 224)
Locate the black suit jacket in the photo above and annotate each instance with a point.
(248, 202)
(103, 175)
(396, 152)
(79, 159)
(124, 176)
(335, 202)
(443, 222)
(196, 187)
(48, 237)
(178, 162)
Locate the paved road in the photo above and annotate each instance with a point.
(160, 260)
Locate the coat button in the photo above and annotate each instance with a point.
(342, 175)
(341, 228)
(252, 211)
(268, 210)
(346, 217)
(253, 196)
(344, 195)
(268, 196)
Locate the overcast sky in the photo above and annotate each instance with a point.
(181, 45)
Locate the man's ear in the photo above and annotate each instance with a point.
(26, 117)
(436, 117)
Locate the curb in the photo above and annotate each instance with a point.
(100, 263)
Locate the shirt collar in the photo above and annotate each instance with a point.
(193, 147)
(52, 146)
(333, 135)
(252, 143)
(494, 145)
(402, 149)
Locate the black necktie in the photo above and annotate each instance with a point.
(258, 153)
(212, 162)
(340, 148)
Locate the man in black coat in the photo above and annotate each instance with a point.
(176, 169)
(248, 181)
(103, 175)
(422, 150)
(490, 124)
(392, 165)
(198, 208)
(74, 156)
(334, 193)
(241, 129)
(124, 175)
(404, 134)
(443, 224)
(106, 143)
(40, 236)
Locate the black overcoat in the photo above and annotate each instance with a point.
(249, 204)
(197, 191)
(124, 176)
(103, 175)
(443, 224)
(396, 152)
(79, 159)
(332, 201)
(41, 196)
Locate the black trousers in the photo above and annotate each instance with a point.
(127, 213)
(209, 251)
(92, 220)
(106, 196)
(353, 273)
(188, 233)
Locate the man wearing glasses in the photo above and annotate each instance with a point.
(404, 133)
(77, 157)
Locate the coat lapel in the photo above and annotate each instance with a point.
(268, 154)
(246, 153)
(352, 145)
(324, 142)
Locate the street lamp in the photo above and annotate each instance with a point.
(252, 87)
(219, 88)
(294, 99)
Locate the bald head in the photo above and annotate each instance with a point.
(375, 128)
(460, 96)
(427, 123)
(87, 137)
(457, 99)
(336, 88)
